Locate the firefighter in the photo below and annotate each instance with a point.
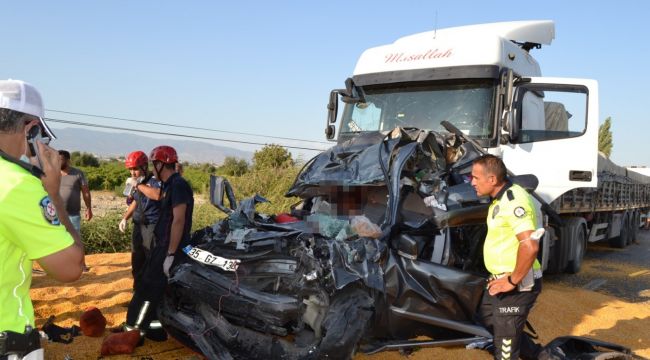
(34, 225)
(143, 210)
(171, 233)
(510, 255)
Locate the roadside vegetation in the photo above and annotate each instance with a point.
(270, 175)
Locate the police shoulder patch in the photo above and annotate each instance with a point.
(520, 212)
(49, 211)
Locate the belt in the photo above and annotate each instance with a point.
(20, 344)
(537, 274)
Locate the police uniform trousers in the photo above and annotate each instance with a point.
(504, 315)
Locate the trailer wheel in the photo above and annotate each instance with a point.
(578, 238)
(635, 220)
(621, 240)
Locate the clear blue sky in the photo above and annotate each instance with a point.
(267, 67)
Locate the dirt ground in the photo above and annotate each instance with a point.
(560, 310)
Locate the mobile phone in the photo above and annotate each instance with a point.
(33, 136)
(130, 187)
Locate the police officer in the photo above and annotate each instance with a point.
(34, 225)
(143, 209)
(510, 256)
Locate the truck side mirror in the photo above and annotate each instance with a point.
(332, 111)
(513, 128)
(507, 118)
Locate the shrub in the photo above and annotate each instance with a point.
(205, 215)
(270, 183)
(197, 178)
(233, 166)
(83, 159)
(101, 235)
(108, 176)
(272, 156)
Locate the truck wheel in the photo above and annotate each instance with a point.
(579, 241)
(555, 265)
(634, 226)
(620, 241)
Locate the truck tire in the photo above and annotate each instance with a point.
(555, 261)
(620, 241)
(635, 220)
(574, 231)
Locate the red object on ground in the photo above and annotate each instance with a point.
(92, 322)
(285, 218)
(121, 343)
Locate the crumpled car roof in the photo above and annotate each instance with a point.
(364, 160)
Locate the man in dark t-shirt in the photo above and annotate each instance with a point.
(171, 233)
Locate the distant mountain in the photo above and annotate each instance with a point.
(104, 144)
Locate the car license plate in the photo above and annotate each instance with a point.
(208, 258)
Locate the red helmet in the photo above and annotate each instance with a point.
(165, 154)
(136, 159)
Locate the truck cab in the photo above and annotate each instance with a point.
(484, 80)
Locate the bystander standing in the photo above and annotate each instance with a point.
(73, 186)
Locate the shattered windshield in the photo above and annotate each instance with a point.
(469, 106)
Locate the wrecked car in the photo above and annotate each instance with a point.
(385, 246)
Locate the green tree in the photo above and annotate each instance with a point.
(83, 159)
(272, 156)
(605, 143)
(233, 166)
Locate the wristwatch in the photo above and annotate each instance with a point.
(510, 281)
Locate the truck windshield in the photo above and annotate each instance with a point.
(468, 105)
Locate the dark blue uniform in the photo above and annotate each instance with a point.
(145, 218)
(175, 191)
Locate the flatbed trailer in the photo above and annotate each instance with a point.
(614, 211)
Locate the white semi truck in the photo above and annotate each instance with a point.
(484, 80)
